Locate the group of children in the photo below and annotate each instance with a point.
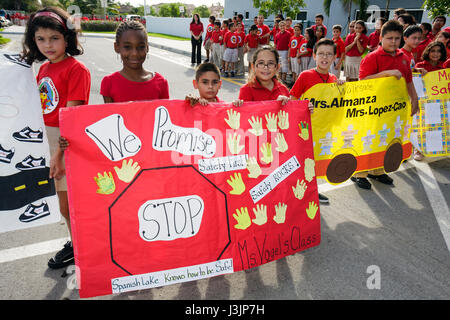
(48, 37)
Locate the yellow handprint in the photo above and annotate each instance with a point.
(105, 183)
(281, 143)
(266, 150)
(243, 219)
(233, 143)
(283, 121)
(260, 214)
(253, 168)
(304, 130)
(234, 119)
(299, 190)
(280, 213)
(312, 210)
(236, 183)
(256, 124)
(128, 170)
(271, 119)
(309, 169)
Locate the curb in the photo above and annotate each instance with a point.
(150, 43)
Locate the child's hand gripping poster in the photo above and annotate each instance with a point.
(430, 127)
(360, 126)
(27, 194)
(161, 192)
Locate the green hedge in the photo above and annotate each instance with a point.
(99, 25)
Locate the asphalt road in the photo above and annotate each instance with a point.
(389, 243)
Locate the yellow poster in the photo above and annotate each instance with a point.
(430, 127)
(359, 126)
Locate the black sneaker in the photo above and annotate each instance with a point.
(232, 74)
(33, 212)
(323, 199)
(363, 183)
(383, 178)
(63, 258)
(6, 155)
(30, 163)
(226, 74)
(29, 135)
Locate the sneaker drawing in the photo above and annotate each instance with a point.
(30, 163)
(29, 135)
(33, 212)
(6, 155)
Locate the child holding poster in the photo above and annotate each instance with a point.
(324, 54)
(63, 82)
(207, 82)
(133, 82)
(386, 61)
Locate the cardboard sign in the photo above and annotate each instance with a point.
(430, 127)
(360, 126)
(161, 192)
(27, 194)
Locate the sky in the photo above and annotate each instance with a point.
(152, 2)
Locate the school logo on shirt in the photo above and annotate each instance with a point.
(233, 39)
(294, 43)
(49, 95)
(303, 48)
(209, 29)
(260, 31)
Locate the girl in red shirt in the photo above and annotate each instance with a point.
(262, 81)
(305, 50)
(196, 29)
(63, 82)
(133, 82)
(433, 57)
(355, 45)
(282, 44)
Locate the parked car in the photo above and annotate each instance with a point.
(4, 22)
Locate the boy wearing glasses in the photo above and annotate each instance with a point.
(324, 54)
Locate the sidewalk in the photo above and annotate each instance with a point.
(177, 46)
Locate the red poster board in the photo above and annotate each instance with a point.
(166, 190)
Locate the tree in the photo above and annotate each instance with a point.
(437, 7)
(171, 9)
(202, 11)
(285, 7)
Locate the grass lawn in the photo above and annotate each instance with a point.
(3, 40)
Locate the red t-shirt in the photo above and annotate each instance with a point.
(446, 64)
(294, 45)
(68, 80)
(303, 48)
(231, 40)
(224, 33)
(354, 52)
(340, 47)
(410, 56)
(282, 40)
(196, 28)
(263, 30)
(252, 40)
(274, 31)
(290, 30)
(420, 48)
(374, 39)
(309, 78)
(379, 60)
(429, 67)
(121, 89)
(314, 26)
(256, 92)
(241, 38)
(215, 36)
(209, 30)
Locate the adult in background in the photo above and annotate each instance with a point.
(196, 28)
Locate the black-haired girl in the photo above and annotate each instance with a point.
(133, 82)
(51, 36)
